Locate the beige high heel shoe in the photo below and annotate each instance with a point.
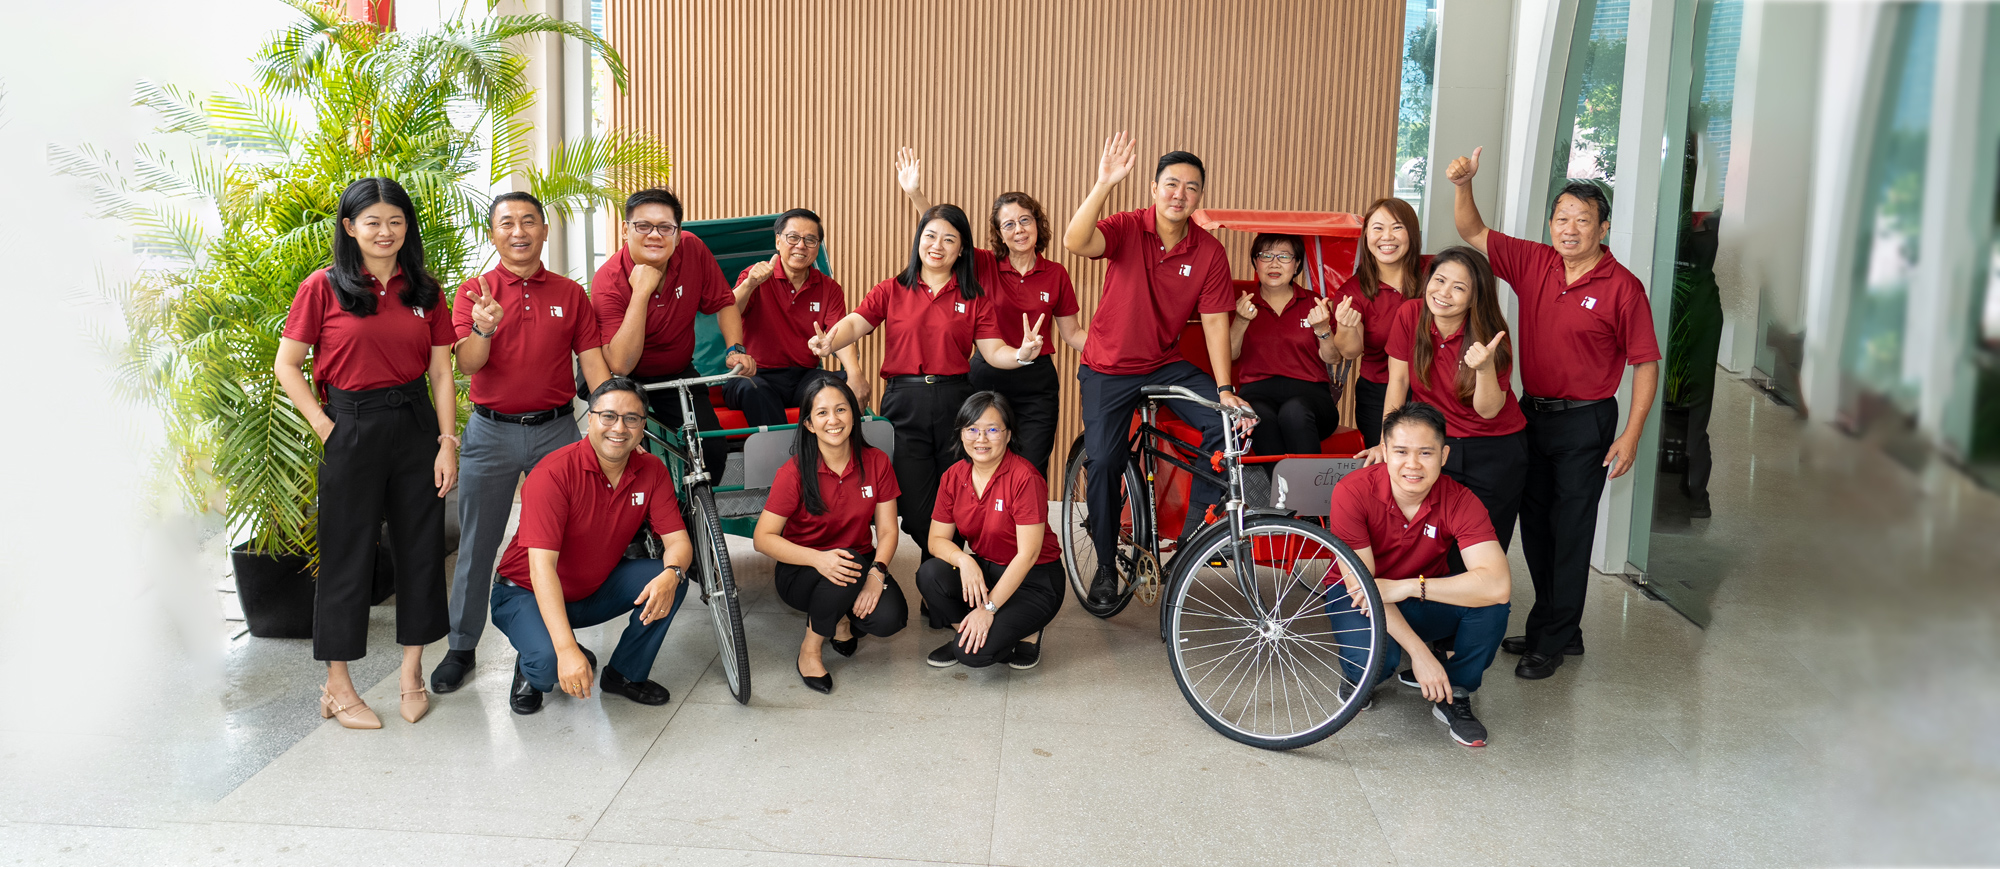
(356, 717)
(414, 710)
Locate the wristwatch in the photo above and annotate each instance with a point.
(1322, 335)
(1226, 387)
(991, 607)
(734, 348)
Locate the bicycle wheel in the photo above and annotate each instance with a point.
(1274, 653)
(718, 589)
(1079, 552)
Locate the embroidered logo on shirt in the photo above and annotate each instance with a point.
(417, 311)
(960, 306)
(1590, 303)
(638, 499)
(1045, 296)
(813, 306)
(867, 491)
(1431, 531)
(677, 292)
(1305, 323)
(1187, 271)
(555, 310)
(999, 505)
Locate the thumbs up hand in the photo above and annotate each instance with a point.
(1482, 355)
(1461, 170)
(486, 311)
(762, 272)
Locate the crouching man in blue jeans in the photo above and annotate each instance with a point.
(1401, 517)
(567, 567)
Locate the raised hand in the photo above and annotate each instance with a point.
(1031, 340)
(763, 271)
(820, 344)
(1116, 162)
(486, 313)
(909, 170)
(1461, 170)
(1482, 355)
(1246, 308)
(1346, 315)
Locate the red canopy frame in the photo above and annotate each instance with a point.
(1332, 239)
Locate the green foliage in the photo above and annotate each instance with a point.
(1413, 121)
(1597, 101)
(231, 230)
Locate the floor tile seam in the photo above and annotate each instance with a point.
(650, 746)
(373, 829)
(999, 773)
(947, 716)
(606, 841)
(1373, 812)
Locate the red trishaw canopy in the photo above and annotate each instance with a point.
(1332, 238)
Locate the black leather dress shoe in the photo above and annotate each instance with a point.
(588, 657)
(822, 684)
(524, 699)
(1519, 646)
(451, 671)
(1104, 586)
(1535, 665)
(648, 693)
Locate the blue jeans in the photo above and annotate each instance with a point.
(1478, 629)
(516, 615)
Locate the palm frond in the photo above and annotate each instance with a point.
(180, 111)
(593, 170)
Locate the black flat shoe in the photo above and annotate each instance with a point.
(524, 699)
(847, 646)
(451, 672)
(1535, 665)
(822, 684)
(648, 693)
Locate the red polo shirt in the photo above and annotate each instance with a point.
(850, 498)
(1460, 420)
(692, 282)
(1017, 495)
(1365, 515)
(546, 318)
(779, 316)
(569, 506)
(388, 348)
(1576, 339)
(927, 334)
(1378, 316)
(1045, 291)
(1280, 343)
(1151, 293)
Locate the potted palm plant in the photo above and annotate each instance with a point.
(233, 223)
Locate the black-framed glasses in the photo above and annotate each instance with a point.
(645, 229)
(1274, 256)
(795, 239)
(612, 418)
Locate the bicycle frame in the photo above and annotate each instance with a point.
(688, 451)
(1143, 448)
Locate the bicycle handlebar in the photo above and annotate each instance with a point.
(695, 381)
(1185, 394)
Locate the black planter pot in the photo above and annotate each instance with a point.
(276, 593)
(1674, 440)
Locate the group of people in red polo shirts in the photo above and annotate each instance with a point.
(969, 383)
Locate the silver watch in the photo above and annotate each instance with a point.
(990, 607)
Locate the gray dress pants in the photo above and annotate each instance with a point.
(491, 460)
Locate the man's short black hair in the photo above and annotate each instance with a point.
(654, 196)
(1587, 192)
(778, 226)
(515, 196)
(1175, 157)
(1414, 413)
(617, 383)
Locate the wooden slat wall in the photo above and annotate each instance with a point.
(768, 106)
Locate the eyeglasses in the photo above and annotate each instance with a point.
(1274, 257)
(612, 418)
(795, 240)
(1023, 222)
(645, 229)
(991, 432)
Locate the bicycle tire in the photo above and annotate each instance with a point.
(711, 558)
(1300, 689)
(1079, 551)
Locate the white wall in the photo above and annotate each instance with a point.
(1469, 107)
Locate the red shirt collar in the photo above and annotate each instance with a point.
(1257, 298)
(1385, 489)
(501, 273)
(1007, 265)
(1152, 228)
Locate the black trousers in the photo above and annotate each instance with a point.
(1108, 401)
(825, 603)
(1029, 609)
(764, 398)
(925, 417)
(1293, 415)
(378, 465)
(666, 407)
(1036, 394)
(1566, 476)
(1495, 469)
(1369, 397)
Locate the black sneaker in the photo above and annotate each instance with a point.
(1368, 703)
(945, 655)
(523, 699)
(451, 671)
(1409, 677)
(1026, 655)
(1464, 726)
(647, 693)
(1104, 588)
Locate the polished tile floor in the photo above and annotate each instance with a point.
(1837, 709)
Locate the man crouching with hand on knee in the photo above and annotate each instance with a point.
(568, 566)
(1401, 517)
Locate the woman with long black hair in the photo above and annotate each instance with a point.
(1388, 274)
(937, 313)
(1452, 351)
(830, 523)
(377, 328)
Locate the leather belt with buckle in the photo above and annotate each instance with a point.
(928, 378)
(1555, 405)
(537, 418)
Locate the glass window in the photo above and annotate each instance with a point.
(1413, 123)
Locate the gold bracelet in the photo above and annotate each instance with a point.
(1423, 591)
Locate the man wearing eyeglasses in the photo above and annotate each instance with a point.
(517, 327)
(569, 565)
(780, 316)
(647, 295)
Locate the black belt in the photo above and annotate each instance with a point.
(928, 378)
(385, 398)
(537, 418)
(1554, 405)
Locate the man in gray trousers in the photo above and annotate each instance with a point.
(517, 326)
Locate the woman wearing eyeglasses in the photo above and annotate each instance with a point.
(1023, 286)
(935, 313)
(1282, 344)
(1005, 585)
(1388, 273)
(830, 523)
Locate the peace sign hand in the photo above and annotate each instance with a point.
(1482, 355)
(820, 344)
(1346, 315)
(1246, 308)
(1031, 340)
(486, 312)
(1116, 162)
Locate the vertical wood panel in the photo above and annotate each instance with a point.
(767, 106)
